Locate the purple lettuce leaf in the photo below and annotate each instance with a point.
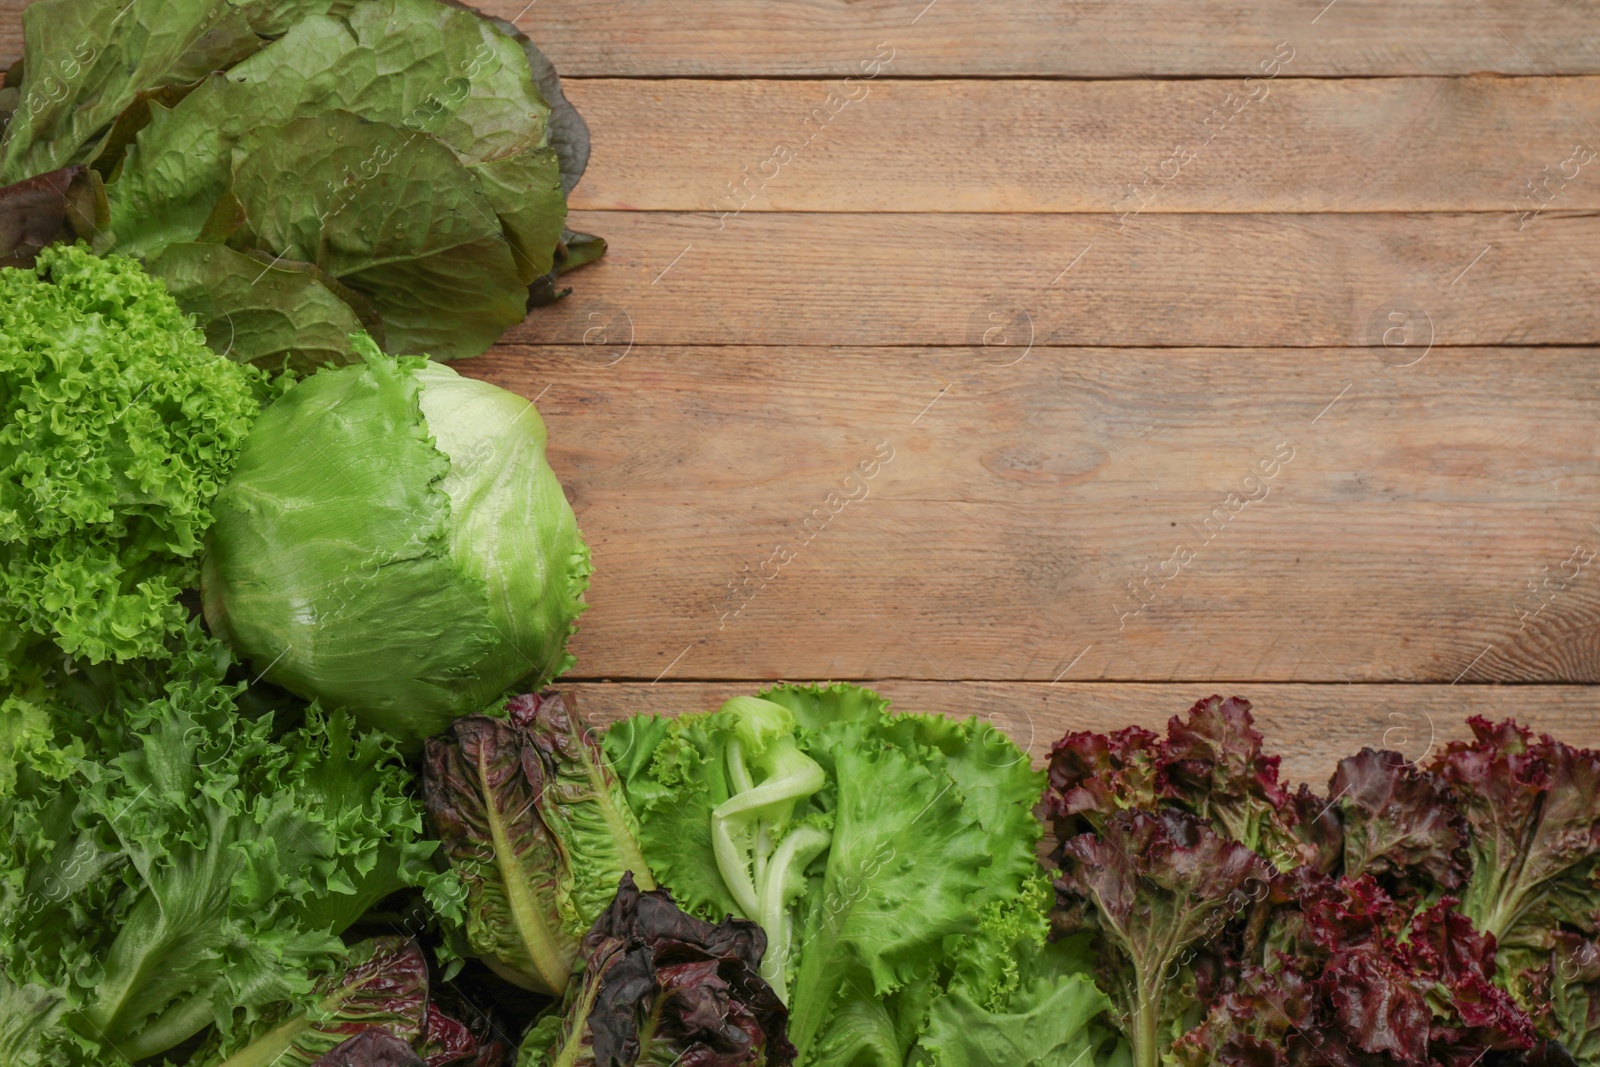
(1094, 776)
(372, 1048)
(535, 823)
(1400, 824)
(482, 780)
(656, 986)
(1153, 887)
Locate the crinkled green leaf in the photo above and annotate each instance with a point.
(277, 315)
(675, 775)
(199, 866)
(583, 804)
(88, 59)
(416, 237)
(27, 1016)
(117, 427)
(897, 882)
(1050, 1024)
(442, 213)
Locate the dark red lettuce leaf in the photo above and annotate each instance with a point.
(535, 822)
(1210, 764)
(1400, 824)
(447, 1041)
(1533, 806)
(372, 1048)
(696, 982)
(59, 205)
(1391, 985)
(1094, 776)
(1214, 766)
(1153, 886)
(481, 784)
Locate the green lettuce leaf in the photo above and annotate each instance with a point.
(87, 60)
(675, 777)
(1049, 1024)
(198, 865)
(418, 239)
(896, 884)
(283, 315)
(27, 1015)
(117, 427)
(583, 804)
(434, 193)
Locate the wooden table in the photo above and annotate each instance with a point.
(1064, 362)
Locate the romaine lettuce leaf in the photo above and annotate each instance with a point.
(535, 824)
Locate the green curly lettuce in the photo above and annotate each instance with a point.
(890, 858)
(197, 865)
(117, 427)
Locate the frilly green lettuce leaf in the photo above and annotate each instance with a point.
(897, 883)
(1049, 1024)
(117, 427)
(675, 776)
(27, 1016)
(197, 868)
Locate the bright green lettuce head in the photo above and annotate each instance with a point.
(117, 427)
(393, 542)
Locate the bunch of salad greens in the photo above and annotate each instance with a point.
(1438, 914)
(297, 171)
(169, 863)
(890, 860)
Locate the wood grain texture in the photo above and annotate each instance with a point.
(1393, 144)
(1066, 38)
(1203, 280)
(1061, 38)
(1023, 499)
(1311, 726)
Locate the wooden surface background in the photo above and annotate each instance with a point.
(1069, 279)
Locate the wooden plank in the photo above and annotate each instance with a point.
(1396, 542)
(1079, 38)
(1223, 280)
(1393, 144)
(1311, 726)
(1082, 39)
